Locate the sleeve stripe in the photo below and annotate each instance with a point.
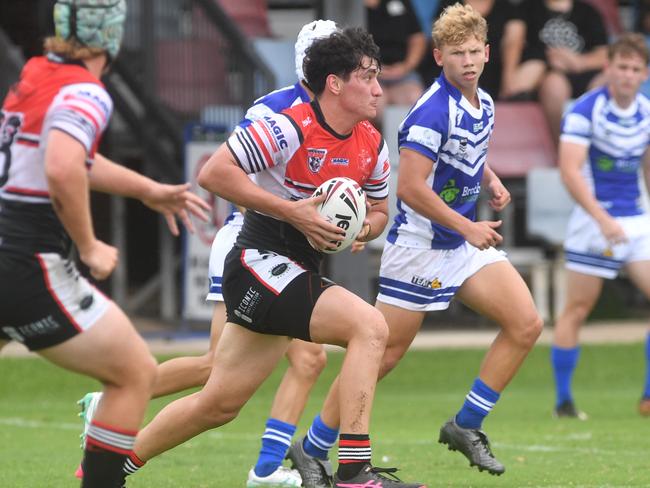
(88, 105)
(84, 112)
(259, 159)
(249, 157)
(262, 146)
(268, 136)
(234, 155)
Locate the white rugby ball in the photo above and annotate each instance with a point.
(345, 207)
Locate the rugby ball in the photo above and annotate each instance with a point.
(345, 207)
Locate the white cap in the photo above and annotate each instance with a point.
(318, 29)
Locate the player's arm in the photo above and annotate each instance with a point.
(412, 189)
(572, 156)
(170, 200)
(223, 176)
(67, 180)
(499, 193)
(376, 220)
(646, 168)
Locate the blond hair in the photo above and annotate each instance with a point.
(70, 48)
(457, 24)
(630, 43)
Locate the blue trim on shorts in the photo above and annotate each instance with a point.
(215, 284)
(595, 260)
(414, 293)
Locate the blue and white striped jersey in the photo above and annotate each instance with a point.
(617, 139)
(446, 128)
(274, 103)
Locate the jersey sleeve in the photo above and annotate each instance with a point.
(82, 111)
(267, 142)
(424, 130)
(376, 187)
(576, 124)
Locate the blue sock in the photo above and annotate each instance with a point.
(478, 403)
(646, 391)
(275, 443)
(319, 439)
(564, 363)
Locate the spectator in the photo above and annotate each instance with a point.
(396, 31)
(566, 48)
(506, 37)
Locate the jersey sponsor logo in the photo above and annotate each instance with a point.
(426, 283)
(471, 191)
(477, 126)
(91, 96)
(277, 132)
(605, 164)
(39, 327)
(248, 304)
(340, 161)
(315, 158)
(278, 269)
(450, 191)
(306, 121)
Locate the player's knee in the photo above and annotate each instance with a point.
(214, 414)
(142, 373)
(372, 328)
(392, 357)
(530, 330)
(577, 312)
(310, 363)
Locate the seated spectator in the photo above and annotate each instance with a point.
(565, 51)
(396, 31)
(506, 34)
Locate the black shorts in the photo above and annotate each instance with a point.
(44, 301)
(269, 293)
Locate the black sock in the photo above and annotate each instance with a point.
(102, 468)
(354, 454)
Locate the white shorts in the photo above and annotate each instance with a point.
(427, 279)
(588, 252)
(221, 245)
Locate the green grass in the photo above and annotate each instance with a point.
(39, 444)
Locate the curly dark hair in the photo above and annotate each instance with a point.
(340, 54)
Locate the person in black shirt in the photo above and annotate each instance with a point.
(506, 35)
(566, 48)
(396, 30)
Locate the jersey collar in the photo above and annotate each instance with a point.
(321, 120)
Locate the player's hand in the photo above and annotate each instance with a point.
(612, 230)
(500, 195)
(482, 234)
(101, 259)
(303, 216)
(176, 201)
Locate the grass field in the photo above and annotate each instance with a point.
(39, 444)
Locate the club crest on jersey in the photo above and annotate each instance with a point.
(364, 160)
(315, 159)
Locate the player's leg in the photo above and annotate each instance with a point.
(306, 361)
(511, 306)
(313, 450)
(180, 373)
(583, 291)
(639, 273)
(554, 92)
(112, 352)
(231, 383)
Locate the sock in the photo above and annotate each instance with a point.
(564, 363)
(646, 391)
(478, 403)
(132, 464)
(354, 453)
(319, 439)
(106, 450)
(275, 443)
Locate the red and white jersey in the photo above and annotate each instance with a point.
(295, 151)
(291, 154)
(51, 94)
